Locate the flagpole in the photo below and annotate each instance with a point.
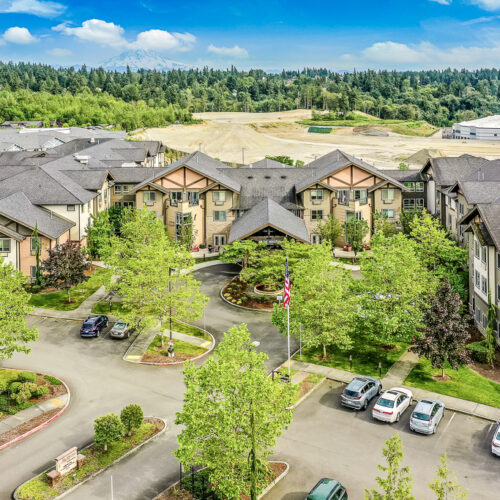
(288, 337)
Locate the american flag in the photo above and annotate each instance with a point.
(286, 298)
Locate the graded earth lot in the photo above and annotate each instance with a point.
(224, 135)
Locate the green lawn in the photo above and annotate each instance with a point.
(365, 357)
(58, 300)
(39, 489)
(464, 383)
(180, 347)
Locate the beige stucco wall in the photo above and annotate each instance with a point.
(309, 205)
(80, 216)
(156, 206)
(214, 227)
(396, 205)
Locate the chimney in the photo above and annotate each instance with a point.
(92, 140)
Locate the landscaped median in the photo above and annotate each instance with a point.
(196, 486)
(93, 459)
(28, 402)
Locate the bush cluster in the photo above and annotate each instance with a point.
(23, 388)
(111, 427)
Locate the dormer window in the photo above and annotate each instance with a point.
(219, 197)
(317, 195)
(149, 197)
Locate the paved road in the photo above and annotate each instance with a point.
(102, 382)
(327, 440)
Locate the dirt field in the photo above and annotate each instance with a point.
(248, 137)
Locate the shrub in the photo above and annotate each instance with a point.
(40, 391)
(35, 288)
(478, 351)
(107, 429)
(52, 380)
(27, 377)
(131, 417)
(14, 387)
(3, 386)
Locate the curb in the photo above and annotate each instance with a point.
(176, 363)
(242, 307)
(307, 394)
(92, 476)
(44, 424)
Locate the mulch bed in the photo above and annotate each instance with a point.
(174, 493)
(305, 387)
(161, 358)
(252, 301)
(27, 426)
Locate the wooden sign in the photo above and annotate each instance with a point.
(67, 461)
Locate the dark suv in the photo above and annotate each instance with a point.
(360, 391)
(93, 326)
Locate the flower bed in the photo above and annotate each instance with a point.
(242, 294)
(39, 488)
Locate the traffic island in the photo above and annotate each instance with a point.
(28, 403)
(238, 293)
(75, 467)
(196, 486)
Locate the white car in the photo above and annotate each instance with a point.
(391, 404)
(495, 442)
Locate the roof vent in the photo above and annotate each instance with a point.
(283, 176)
(267, 176)
(250, 177)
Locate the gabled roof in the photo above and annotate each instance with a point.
(11, 233)
(446, 171)
(200, 163)
(333, 162)
(88, 180)
(267, 163)
(490, 216)
(18, 208)
(268, 213)
(411, 175)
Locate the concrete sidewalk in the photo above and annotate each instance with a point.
(393, 378)
(23, 416)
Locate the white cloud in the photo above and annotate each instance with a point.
(35, 7)
(487, 4)
(20, 36)
(228, 51)
(58, 52)
(442, 2)
(160, 40)
(96, 30)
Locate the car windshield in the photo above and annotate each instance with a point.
(387, 403)
(421, 416)
(88, 324)
(498, 435)
(120, 326)
(351, 394)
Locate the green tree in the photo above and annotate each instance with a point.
(131, 418)
(282, 159)
(240, 251)
(38, 252)
(186, 233)
(155, 281)
(322, 306)
(383, 225)
(489, 333)
(14, 306)
(232, 414)
(65, 266)
(108, 429)
(397, 483)
(330, 230)
(99, 232)
(445, 333)
(444, 485)
(394, 291)
(355, 232)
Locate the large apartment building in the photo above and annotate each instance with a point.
(464, 193)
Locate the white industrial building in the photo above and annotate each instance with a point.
(486, 129)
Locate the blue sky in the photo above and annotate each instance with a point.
(399, 34)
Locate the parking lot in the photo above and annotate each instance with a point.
(329, 440)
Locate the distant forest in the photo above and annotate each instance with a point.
(152, 98)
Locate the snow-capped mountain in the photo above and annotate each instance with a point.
(142, 59)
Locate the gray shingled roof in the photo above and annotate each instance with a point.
(88, 180)
(11, 233)
(133, 175)
(19, 208)
(491, 217)
(480, 192)
(447, 171)
(268, 213)
(267, 163)
(411, 175)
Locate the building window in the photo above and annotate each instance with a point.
(419, 203)
(498, 292)
(175, 198)
(219, 215)
(498, 260)
(4, 245)
(219, 197)
(449, 220)
(478, 315)
(181, 220)
(149, 196)
(476, 249)
(388, 195)
(99, 199)
(316, 195)
(409, 204)
(316, 214)
(483, 254)
(361, 195)
(460, 208)
(409, 185)
(33, 273)
(485, 320)
(33, 244)
(316, 239)
(484, 285)
(344, 196)
(193, 197)
(388, 212)
(117, 189)
(125, 204)
(477, 279)
(419, 187)
(70, 208)
(106, 194)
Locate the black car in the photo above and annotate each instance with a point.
(93, 326)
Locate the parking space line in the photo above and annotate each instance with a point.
(448, 424)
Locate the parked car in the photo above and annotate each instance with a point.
(360, 391)
(93, 326)
(120, 330)
(495, 442)
(426, 416)
(391, 404)
(327, 489)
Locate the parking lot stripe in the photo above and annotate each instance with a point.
(448, 424)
